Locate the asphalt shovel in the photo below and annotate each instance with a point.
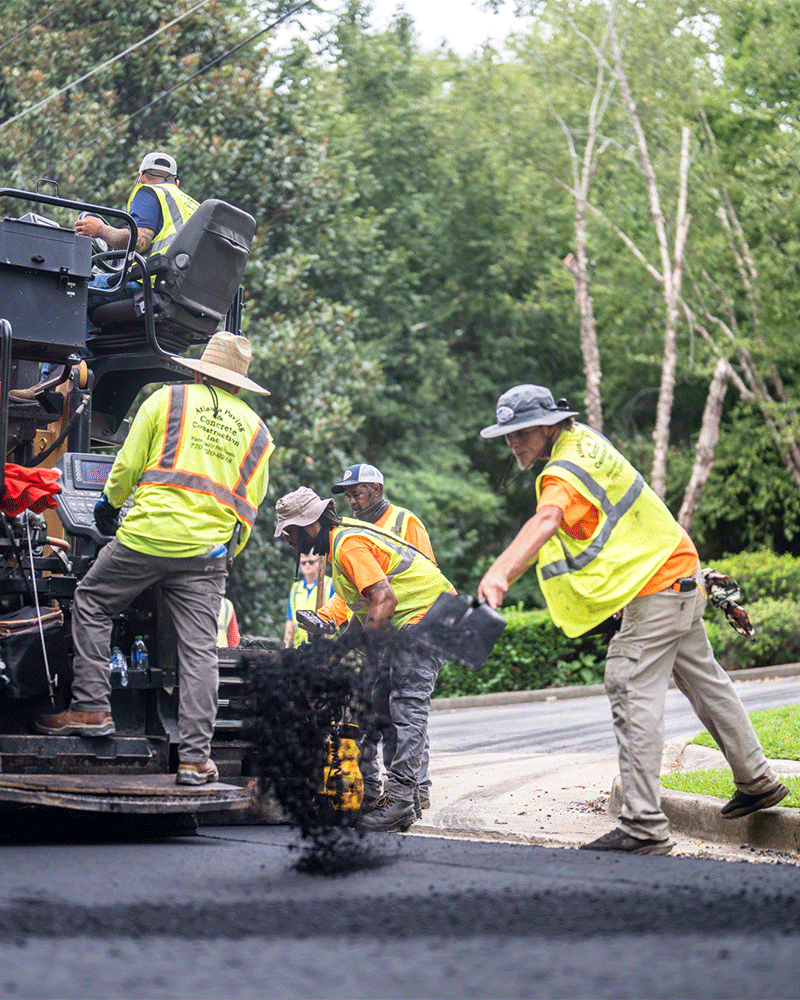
(462, 628)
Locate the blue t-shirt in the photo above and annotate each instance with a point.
(146, 209)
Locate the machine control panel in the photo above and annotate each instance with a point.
(83, 479)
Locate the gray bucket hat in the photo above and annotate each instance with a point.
(358, 474)
(301, 507)
(527, 406)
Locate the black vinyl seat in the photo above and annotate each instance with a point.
(196, 280)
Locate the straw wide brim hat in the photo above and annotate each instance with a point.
(226, 357)
(301, 507)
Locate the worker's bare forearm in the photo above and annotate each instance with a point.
(382, 602)
(117, 239)
(520, 555)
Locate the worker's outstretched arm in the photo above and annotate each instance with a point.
(520, 555)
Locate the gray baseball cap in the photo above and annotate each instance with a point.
(527, 406)
(160, 163)
(358, 474)
(300, 507)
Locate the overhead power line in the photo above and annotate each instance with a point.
(102, 66)
(28, 28)
(199, 72)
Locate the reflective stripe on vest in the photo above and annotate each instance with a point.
(397, 527)
(584, 581)
(177, 208)
(165, 473)
(403, 557)
(573, 562)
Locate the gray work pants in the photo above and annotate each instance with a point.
(662, 635)
(382, 731)
(192, 590)
(406, 673)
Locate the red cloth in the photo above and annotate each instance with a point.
(29, 489)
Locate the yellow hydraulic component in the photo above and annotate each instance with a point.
(341, 790)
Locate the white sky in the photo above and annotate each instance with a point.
(460, 22)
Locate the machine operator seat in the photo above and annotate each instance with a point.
(196, 280)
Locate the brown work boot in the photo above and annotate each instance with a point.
(388, 816)
(76, 723)
(192, 772)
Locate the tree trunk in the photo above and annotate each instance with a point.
(706, 443)
(578, 268)
(671, 272)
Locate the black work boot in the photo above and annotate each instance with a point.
(743, 805)
(388, 816)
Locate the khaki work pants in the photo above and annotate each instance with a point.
(192, 590)
(663, 635)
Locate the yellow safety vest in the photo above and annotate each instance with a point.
(177, 208)
(301, 599)
(586, 581)
(398, 521)
(415, 580)
(223, 621)
(198, 468)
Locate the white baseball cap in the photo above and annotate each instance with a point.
(161, 163)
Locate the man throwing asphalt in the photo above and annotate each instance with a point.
(385, 583)
(605, 543)
(198, 457)
(362, 485)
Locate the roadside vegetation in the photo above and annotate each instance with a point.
(532, 653)
(609, 206)
(778, 729)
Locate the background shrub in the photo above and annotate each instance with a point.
(531, 653)
(762, 574)
(770, 587)
(777, 638)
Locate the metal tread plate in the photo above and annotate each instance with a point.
(127, 793)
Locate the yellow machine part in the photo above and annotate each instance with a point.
(342, 787)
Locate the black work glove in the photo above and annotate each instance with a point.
(106, 517)
(313, 624)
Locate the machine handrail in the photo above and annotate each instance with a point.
(37, 197)
(5, 379)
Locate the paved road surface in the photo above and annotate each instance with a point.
(224, 914)
(582, 724)
(543, 771)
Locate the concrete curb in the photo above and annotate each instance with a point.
(584, 690)
(775, 829)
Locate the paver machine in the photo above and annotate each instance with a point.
(72, 419)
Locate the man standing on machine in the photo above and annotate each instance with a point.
(198, 457)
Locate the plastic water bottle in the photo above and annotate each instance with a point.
(139, 655)
(119, 666)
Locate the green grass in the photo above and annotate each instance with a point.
(777, 728)
(779, 732)
(720, 783)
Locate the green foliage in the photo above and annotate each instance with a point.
(770, 588)
(763, 574)
(778, 731)
(720, 784)
(744, 506)
(777, 638)
(411, 233)
(531, 653)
